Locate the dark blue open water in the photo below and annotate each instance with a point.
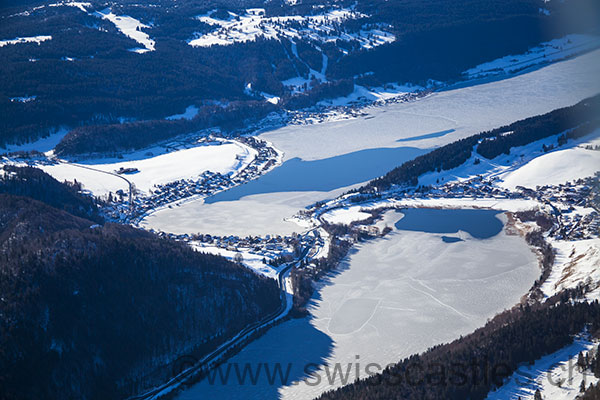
(481, 224)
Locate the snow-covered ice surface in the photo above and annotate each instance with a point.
(130, 27)
(429, 122)
(319, 28)
(543, 53)
(30, 39)
(390, 298)
(546, 374)
(164, 168)
(262, 214)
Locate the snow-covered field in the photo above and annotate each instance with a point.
(557, 166)
(130, 27)
(362, 94)
(345, 215)
(30, 39)
(543, 53)
(529, 166)
(189, 113)
(320, 28)
(556, 376)
(182, 164)
(42, 145)
(391, 298)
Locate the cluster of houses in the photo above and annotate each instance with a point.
(354, 109)
(571, 203)
(271, 247)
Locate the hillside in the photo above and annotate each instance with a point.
(103, 311)
(34, 183)
(123, 61)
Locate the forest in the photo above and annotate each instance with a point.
(473, 365)
(573, 122)
(99, 310)
(92, 79)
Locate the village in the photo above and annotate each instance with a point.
(206, 184)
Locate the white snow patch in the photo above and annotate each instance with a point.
(42, 145)
(81, 5)
(189, 113)
(345, 215)
(130, 27)
(31, 39)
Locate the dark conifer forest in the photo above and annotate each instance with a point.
(100, 311)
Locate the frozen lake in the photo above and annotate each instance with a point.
(323, 160)
(390, 298)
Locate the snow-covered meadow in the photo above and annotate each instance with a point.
(320, 28)
(576, 262)
(130, 27)
(100, 176)
(345, 215)
(529, 166)
(578, 160)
